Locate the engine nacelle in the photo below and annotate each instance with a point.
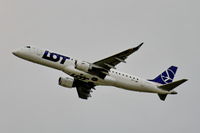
(66, 82)
(83, 66)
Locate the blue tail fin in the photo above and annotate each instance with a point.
(167, 76)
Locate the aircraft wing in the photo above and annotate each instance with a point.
(83, 89)
(112, 61)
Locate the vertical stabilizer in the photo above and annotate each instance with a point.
(167, 76)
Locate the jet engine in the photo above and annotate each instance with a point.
(66, 82)
(83, 66)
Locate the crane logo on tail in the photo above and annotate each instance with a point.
(167, 76)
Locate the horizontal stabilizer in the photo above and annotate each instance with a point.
(172, 85)
(169, 87)
(162, 96)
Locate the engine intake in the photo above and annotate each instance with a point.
(83, 66)
(66, 82)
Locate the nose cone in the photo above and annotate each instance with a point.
(21, 53)
(16, 53)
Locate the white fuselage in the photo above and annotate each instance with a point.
(67, 65)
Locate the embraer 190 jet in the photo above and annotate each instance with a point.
(84, 76)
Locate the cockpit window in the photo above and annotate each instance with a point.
(28, 46)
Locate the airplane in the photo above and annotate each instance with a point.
(85, 76)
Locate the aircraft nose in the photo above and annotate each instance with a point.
(16, 53)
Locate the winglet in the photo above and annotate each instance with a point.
(141, 44)
(136, 48)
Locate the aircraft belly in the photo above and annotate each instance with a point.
(83, 76)
(136, 86)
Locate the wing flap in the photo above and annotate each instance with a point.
(119, 59)
(110, 66)
(82, 93)
(83, 89)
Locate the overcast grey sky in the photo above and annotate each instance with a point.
(31, 100)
